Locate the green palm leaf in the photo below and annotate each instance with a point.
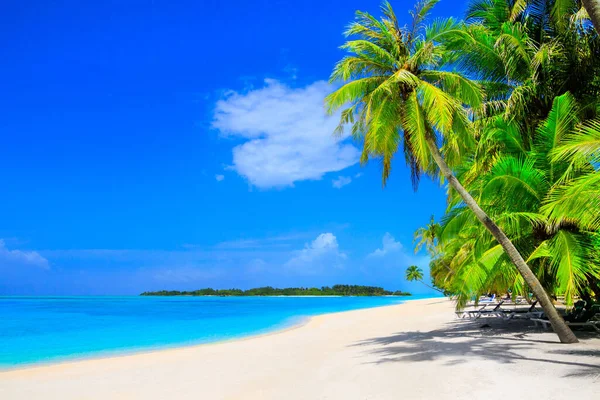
(583, 143)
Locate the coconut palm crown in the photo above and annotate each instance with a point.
(400, 92)
(414, 273)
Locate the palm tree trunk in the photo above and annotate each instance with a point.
(593, 9)
(558, 324)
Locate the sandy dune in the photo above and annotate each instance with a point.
(417, 350)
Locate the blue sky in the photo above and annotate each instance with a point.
(183, 144)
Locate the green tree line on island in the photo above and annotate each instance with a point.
(504, 108)
(335, 290)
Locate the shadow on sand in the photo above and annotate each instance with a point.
(491, 339)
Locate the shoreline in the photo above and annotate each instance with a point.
(175, 347)
(373, 353)
(300, 321)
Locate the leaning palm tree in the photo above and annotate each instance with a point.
(593, 9)
(414, 273)
(532, 171)
(401, 92)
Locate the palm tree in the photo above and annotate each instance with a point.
(401, 93)
(414, 273)
(543, 192)
(593, 9)
(427, 236)
(535, 169)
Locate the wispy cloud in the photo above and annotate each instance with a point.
(219, 178)
(390, 261)
(19, 258)
(341, 181)
(322, 252)
(242, 244)
(389, 245)
(278, 241)
(244, 262)
(189, 251)
(23, 271)
(287, 134)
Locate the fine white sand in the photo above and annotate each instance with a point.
(417, 350)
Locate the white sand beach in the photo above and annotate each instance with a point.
(416, 350)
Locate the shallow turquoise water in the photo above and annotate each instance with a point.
(47, 329)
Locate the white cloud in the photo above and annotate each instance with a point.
(392, 260)
(341, 181)
(287, 134)
(219, 178)
(324, 250)
(390, 245)
(22, 258)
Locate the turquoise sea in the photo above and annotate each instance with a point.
(50, 329)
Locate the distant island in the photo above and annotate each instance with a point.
(335, 290)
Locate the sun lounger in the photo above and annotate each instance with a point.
(482, 311)
(488, 300)
(523, 313)
(593, 322)
(508, 314)
(463, 314)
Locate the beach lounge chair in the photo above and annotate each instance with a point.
(482, 311)
(523, 313)
(584, 318)
(595, 324)
(487, 299)
(463, 314)
(511, 314)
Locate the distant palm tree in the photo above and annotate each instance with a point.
(403, 95)
(427, 236)
(414, 273)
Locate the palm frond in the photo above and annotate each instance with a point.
(577, 200)
(453, 83)
(352, 91)
(568, 259)
(582, 142)
(438, 105)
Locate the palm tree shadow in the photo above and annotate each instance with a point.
(489, 339)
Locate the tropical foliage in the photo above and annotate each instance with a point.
(398, 93)
(534, 169)
(502, 107)
(414, 273)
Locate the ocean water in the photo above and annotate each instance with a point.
(51, 329)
